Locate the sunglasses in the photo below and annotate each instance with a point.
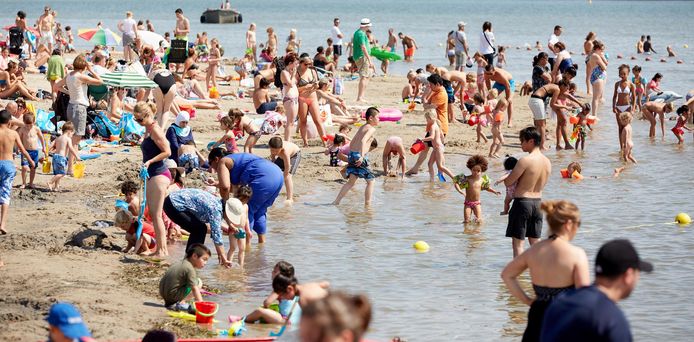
(139, 120)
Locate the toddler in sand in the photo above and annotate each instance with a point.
(61, 147)
(244, 124)
(237, 212)
(270, 312)
(473, 186)
(128, 223)
(129, 189)
(9, 139)
(31, 136)
(229, 137)
(509, 164)
(338, 145)
(627, 144)
(181, 282)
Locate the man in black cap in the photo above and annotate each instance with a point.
(591, 313)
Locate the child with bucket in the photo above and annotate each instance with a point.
(181, 282)
(61, 148)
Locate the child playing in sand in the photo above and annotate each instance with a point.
(181, 282)
(394, 147)
(434, 139)
(30, 136)
(61, 148)
(128, 223)
(473, 186)
(581, 127)
(497, 118)
(243, 124)
(481, 119)
(509, 164)
(680, 125)
(237, 212)
(189, 157)
(229, 137)
(213, 60)
(286, 155)
(639, 85)
(627, 145)
(129, 189)
(357, 162)
(9, 140)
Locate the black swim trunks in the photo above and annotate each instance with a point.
(524, 219)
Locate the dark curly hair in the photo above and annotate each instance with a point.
(478, 159)
(129, 187)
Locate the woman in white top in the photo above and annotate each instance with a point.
(76, 83)
(129, 29)
(487, 43)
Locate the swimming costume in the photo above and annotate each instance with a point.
(678, 130)
(165, 80)
(7, 173)
(3, 83)
(409, 52)
(59, 164)
(597, 74)
(463, 181)
(472, 204)
(500, 87)
(34, 154)
(293, 163)
(565, 64)
(524, 219)
(149, 151)
(449, 91)
(361, 171)
(623, 108)
(241, 234)
(189, 162)
(543, 298)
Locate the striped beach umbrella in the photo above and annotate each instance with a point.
(99, 36)
(127, 80)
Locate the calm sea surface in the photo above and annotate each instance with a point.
(454, 292)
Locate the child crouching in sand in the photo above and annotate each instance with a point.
(237, 212)
(181, 282)
(61, 147)
(127, 222)
(473, 186)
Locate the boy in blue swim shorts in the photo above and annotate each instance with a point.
(9, 138)
(61, 147)
(357, 162)
(31, 137)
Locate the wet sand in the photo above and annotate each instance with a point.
(117, 294)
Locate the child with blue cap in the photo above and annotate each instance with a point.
(66, 324)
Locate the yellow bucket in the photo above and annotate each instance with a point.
(78, 170)
(46, 166)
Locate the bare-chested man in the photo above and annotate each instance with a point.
(530, 176)
(45, 25)
(409, 45)
(182, 25)
(503, 82)
(390, 46)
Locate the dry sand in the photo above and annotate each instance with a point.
(43, 266)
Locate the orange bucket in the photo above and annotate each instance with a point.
(205, 311)
(573, 120)
(417, 147)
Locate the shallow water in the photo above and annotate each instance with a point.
(454, 291)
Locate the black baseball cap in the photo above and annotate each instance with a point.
(616, 256)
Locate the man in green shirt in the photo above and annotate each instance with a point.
(362, 59)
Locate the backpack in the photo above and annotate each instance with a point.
(16, 40)
(130, 130)
(104, 126)
(279, 65)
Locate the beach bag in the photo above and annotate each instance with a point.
(16, 40)
(104, 126)
(60, 107)
(279, 66)
(43, 120)
(130, 130)
(338, 86)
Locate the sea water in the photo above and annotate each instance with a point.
(454, 291)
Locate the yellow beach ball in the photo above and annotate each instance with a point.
(683, 218)
(421, 246)
(686, 46)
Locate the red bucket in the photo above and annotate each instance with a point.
(417, 147)
(205, 311)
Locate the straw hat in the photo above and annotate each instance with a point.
(233, 210)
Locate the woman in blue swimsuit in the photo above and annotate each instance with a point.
(155, 149)
(265, 178)
(598, 64)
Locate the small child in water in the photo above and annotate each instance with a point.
(31, 137)
(237, 212)
(509, 164)
(680, 125)
(61, 147)
(181, 282)
(128, 223)
(129, 189)
(270, 312)
(473, 186)
(581, 127)
(625, 138)
(394, 147)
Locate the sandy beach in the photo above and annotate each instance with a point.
(55, 249)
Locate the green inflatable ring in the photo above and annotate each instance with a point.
(384, 55)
